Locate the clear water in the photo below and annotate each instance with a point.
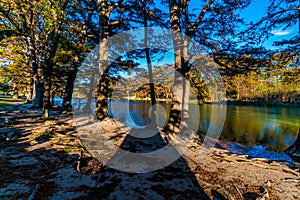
(256, 131)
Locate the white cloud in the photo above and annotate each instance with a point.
(281, 32)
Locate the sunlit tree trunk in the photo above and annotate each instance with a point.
(29, 93)
(15, 89)
(179, 12)
(149, 64)
(177, 98)
(102, 87)
(47, 88)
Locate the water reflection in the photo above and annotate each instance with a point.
(274, 128)
(271, 128)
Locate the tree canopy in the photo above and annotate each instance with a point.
(43, 44)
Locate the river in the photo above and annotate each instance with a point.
(256, 131)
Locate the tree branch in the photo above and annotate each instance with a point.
(200, 17)
(265, 19)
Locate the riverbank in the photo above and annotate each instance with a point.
(271, 103)
(44, 159)
(140, 99)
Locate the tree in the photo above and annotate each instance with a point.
(53, 13)
(127, 14)
(105, 8)
(82, 31)
(15, 68)
(20, 18)
(149, 64)
(282, 15)
(215, 22)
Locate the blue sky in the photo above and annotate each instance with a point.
(255, 11)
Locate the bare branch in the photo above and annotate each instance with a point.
(200, 17)
(267, 18)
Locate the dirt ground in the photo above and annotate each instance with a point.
(44, 159)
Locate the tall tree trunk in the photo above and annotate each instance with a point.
(53, 41)
(90, 94)
(66, 104)
(186, 80)
(52, 96)
(178, 11)
(48, 70)
(15, 89)
(47, 90)
(177, 97)
(29, 93)
(103, 85)
(36, 94)
(149, 64)
(102, 95)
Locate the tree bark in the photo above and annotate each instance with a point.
(102, 88)
(149, 64)
(90, 94)
(29, 93)
(53, 41)
(178, 90)
(48, 71)
(47, 90)
(67, 100)
(102, 95)
(180, 100)
(15, 89)
(36, 94)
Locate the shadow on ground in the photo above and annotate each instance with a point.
(44, 159)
